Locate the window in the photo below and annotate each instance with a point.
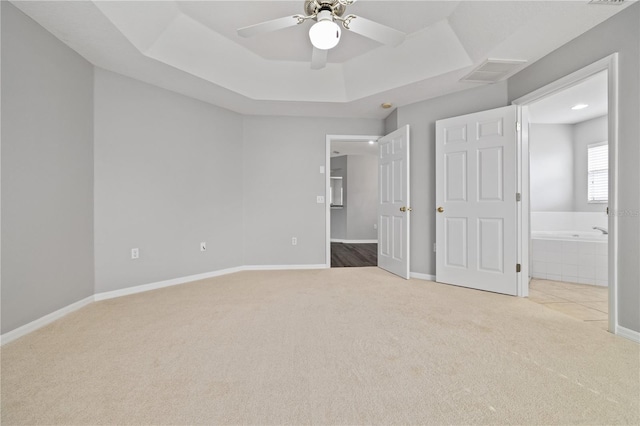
(598, 172)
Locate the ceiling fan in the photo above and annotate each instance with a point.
(325, 33)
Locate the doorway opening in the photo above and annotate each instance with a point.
(353, 202)
(393, 207)
(568, 195)
(568, 181)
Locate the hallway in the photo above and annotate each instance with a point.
(354, 255)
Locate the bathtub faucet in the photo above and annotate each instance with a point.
(604, 231)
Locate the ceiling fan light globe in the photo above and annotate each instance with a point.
(325, 35)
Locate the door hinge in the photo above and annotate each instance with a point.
(517, 267)
(518, 126)
(518, 197)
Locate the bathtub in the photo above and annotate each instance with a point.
(570, 256)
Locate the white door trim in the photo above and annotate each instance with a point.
(609, 64)
(327, 184)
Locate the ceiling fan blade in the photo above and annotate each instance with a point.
(318, 58)
(375, 31)
(268, 26)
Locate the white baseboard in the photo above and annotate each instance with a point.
(419, 276)
(161, 284)
(42, 321)
(338, 240)
(282, 267)
(627, 333)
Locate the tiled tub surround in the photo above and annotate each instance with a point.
(569, 260)
(573, 254)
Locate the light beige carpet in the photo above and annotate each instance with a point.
(339, 346)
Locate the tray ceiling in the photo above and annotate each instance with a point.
(191, 47)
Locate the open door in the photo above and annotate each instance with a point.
(393, 202)
(476, 201)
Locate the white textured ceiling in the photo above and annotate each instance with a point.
(556, 108)
(191, 47)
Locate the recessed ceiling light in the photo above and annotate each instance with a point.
(386, 105)
(579, 106)
(371, 142)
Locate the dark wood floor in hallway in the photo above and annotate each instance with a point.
(354, 255)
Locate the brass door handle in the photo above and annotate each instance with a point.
(405, 209)
(440, 209)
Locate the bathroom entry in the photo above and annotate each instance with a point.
(568, 194)
(353, 194)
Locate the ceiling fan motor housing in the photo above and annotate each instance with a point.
(313, 7)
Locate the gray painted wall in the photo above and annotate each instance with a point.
(47, 172)
(168, 175)
(585, 133)
(558, 165)
(391, 122)
(338, 168)
(551, 151)
(355, 221)
(422, 117)
(282, 159)
(619, 34)
(362, 203)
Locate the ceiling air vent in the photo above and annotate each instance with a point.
(493, 71)
(609, 2)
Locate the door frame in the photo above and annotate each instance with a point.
(609, 64)
(327, 184)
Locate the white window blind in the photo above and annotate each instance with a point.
(598, 172)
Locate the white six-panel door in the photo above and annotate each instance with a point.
(476, 200)
(393, 202)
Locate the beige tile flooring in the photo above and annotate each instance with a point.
(587, 303)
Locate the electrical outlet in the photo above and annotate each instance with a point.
(375, 226)
(203, 246)
(135, 253)
(435, 248)
(320, 199)
(294, 241)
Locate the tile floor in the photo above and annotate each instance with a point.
(587, 303)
